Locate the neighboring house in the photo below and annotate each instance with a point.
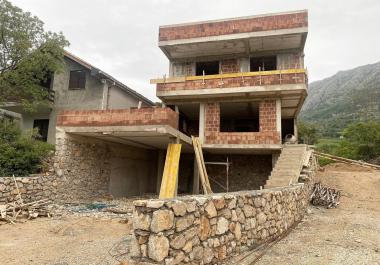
(79, 86)
(238, 84)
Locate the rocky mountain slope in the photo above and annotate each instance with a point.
(343, 98)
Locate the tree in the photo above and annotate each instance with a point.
(361, 140)
(307, 133)
(28, 57)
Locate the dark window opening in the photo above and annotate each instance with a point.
(268, 63)
(239, 117)
(287, 127)
(46, 83)
(42, 127)
(209, 68)
(77, 79)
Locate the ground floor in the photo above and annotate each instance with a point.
(94, 164)
(348, 234)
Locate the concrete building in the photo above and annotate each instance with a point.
(238, 84)
(79, 86)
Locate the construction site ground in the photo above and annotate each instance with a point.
(349, 234)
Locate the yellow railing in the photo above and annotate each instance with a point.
(221, 76)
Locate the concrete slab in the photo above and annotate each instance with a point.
(145, 136)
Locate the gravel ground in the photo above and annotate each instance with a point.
(84, 234)
(349, 234)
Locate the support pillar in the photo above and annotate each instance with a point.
(160, 169)
(196, 177)
(201, 122)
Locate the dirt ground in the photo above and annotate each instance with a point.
(349, 234)
(63, 241)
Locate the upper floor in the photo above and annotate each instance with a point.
(249, 54)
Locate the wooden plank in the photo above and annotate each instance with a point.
(346, 160)
(170, 175)
(199, 162)
(208, 185)
(201, 165)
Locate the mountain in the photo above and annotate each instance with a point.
(346, 97)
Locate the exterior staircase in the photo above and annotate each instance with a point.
(288, 166)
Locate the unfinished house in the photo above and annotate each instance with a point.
(79, 85)
(237, 84)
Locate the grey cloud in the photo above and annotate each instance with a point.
(120, 36)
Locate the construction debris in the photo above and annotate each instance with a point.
(325, 196)
(11, 211)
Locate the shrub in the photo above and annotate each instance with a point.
(21, 153)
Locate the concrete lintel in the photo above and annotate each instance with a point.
(130, 131)
(242, 148)
(236, 36)
(282, 89)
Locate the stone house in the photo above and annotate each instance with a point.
(238, 84)
(79, 86)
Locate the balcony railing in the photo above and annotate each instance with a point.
(242, 79)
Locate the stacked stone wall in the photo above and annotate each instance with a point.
(31, 188)
(209, 229)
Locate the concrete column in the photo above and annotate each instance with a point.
(278, 115)
(201, 122)
(295, 129)
(160, 168)
(105, 95)
(196, 177)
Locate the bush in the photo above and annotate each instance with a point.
(361, 141)
(307, 133)
(21, 153)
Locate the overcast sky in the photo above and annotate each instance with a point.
(120, 36)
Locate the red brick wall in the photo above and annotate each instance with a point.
(267, 135)
(229, 66)
(299, 78)
(275, 22)
(118, 117)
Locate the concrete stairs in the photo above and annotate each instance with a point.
(288, 166)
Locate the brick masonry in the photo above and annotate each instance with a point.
(262, 80)
(229, 66)
(119, 117)
(243, 25)
(268, 133)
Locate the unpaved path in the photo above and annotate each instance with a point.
(61, 241)
(349, 234)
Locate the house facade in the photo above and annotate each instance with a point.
(79, 86)
(238, 84)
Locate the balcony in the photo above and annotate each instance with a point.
(147, 128)
(263, 82)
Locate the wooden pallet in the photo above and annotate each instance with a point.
(201, 165)
(169, 182)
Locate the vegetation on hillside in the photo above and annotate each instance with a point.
(359, 141)
(345, 98)
(21, 153)
(28, 56)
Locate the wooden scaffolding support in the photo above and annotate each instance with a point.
(201, 165)
(169, 182)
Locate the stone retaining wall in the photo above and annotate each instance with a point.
(32, 188)
(208, 229)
